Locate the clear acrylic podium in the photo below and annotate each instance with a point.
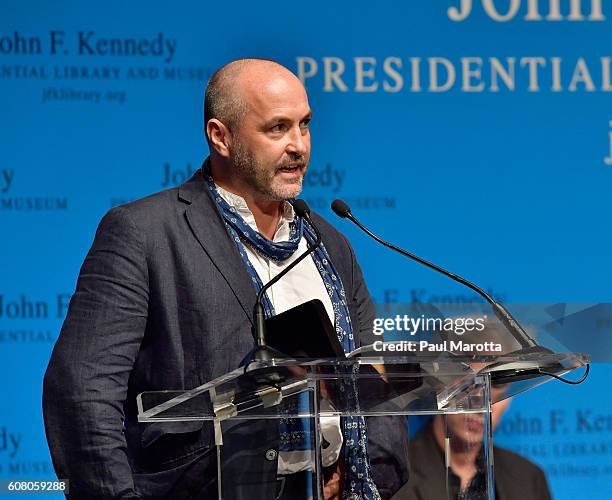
(262, 400)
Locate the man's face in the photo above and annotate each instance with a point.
(270, 147)
(469, 428)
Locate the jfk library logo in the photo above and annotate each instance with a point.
(321, 185)
(13, 199)
(28, 320)
(10, 442)
(440, 73)
(524, 71)
(86, 66)
(14, 460)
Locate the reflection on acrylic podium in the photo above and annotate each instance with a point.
(276, 423)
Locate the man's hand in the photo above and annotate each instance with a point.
(332, 489)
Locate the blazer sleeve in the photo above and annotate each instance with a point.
(85, 384)
(543, 492)
(366, 310)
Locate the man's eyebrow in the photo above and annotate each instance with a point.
(285, 118)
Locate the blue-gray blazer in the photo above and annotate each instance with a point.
(163, 301)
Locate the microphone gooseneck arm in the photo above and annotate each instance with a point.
(259, 315)
(341, 209)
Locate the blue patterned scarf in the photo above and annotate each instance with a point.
(294, 435)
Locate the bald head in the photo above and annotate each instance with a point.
(257, 127)
(233, 86)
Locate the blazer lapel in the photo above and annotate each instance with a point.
(504, 482)
(428, 466)
(209, 229)
(431, 486)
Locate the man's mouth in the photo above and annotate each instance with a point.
(474, 424)
(290, 168)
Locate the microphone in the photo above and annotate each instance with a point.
(527, 344)
(501, 372)
(262, 351)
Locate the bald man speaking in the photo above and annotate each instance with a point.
(164, 301)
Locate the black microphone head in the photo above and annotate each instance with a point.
(341, 209)
(301, 208)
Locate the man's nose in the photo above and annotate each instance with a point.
(298, 141)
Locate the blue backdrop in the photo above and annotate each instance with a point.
(476, 133)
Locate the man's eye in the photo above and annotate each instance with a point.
(305, 124)
(280, 127)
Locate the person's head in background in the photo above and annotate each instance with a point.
(466, 430)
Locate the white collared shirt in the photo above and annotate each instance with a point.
(301, 284)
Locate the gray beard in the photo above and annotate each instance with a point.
(257, 176)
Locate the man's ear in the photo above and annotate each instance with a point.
(219, 137)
